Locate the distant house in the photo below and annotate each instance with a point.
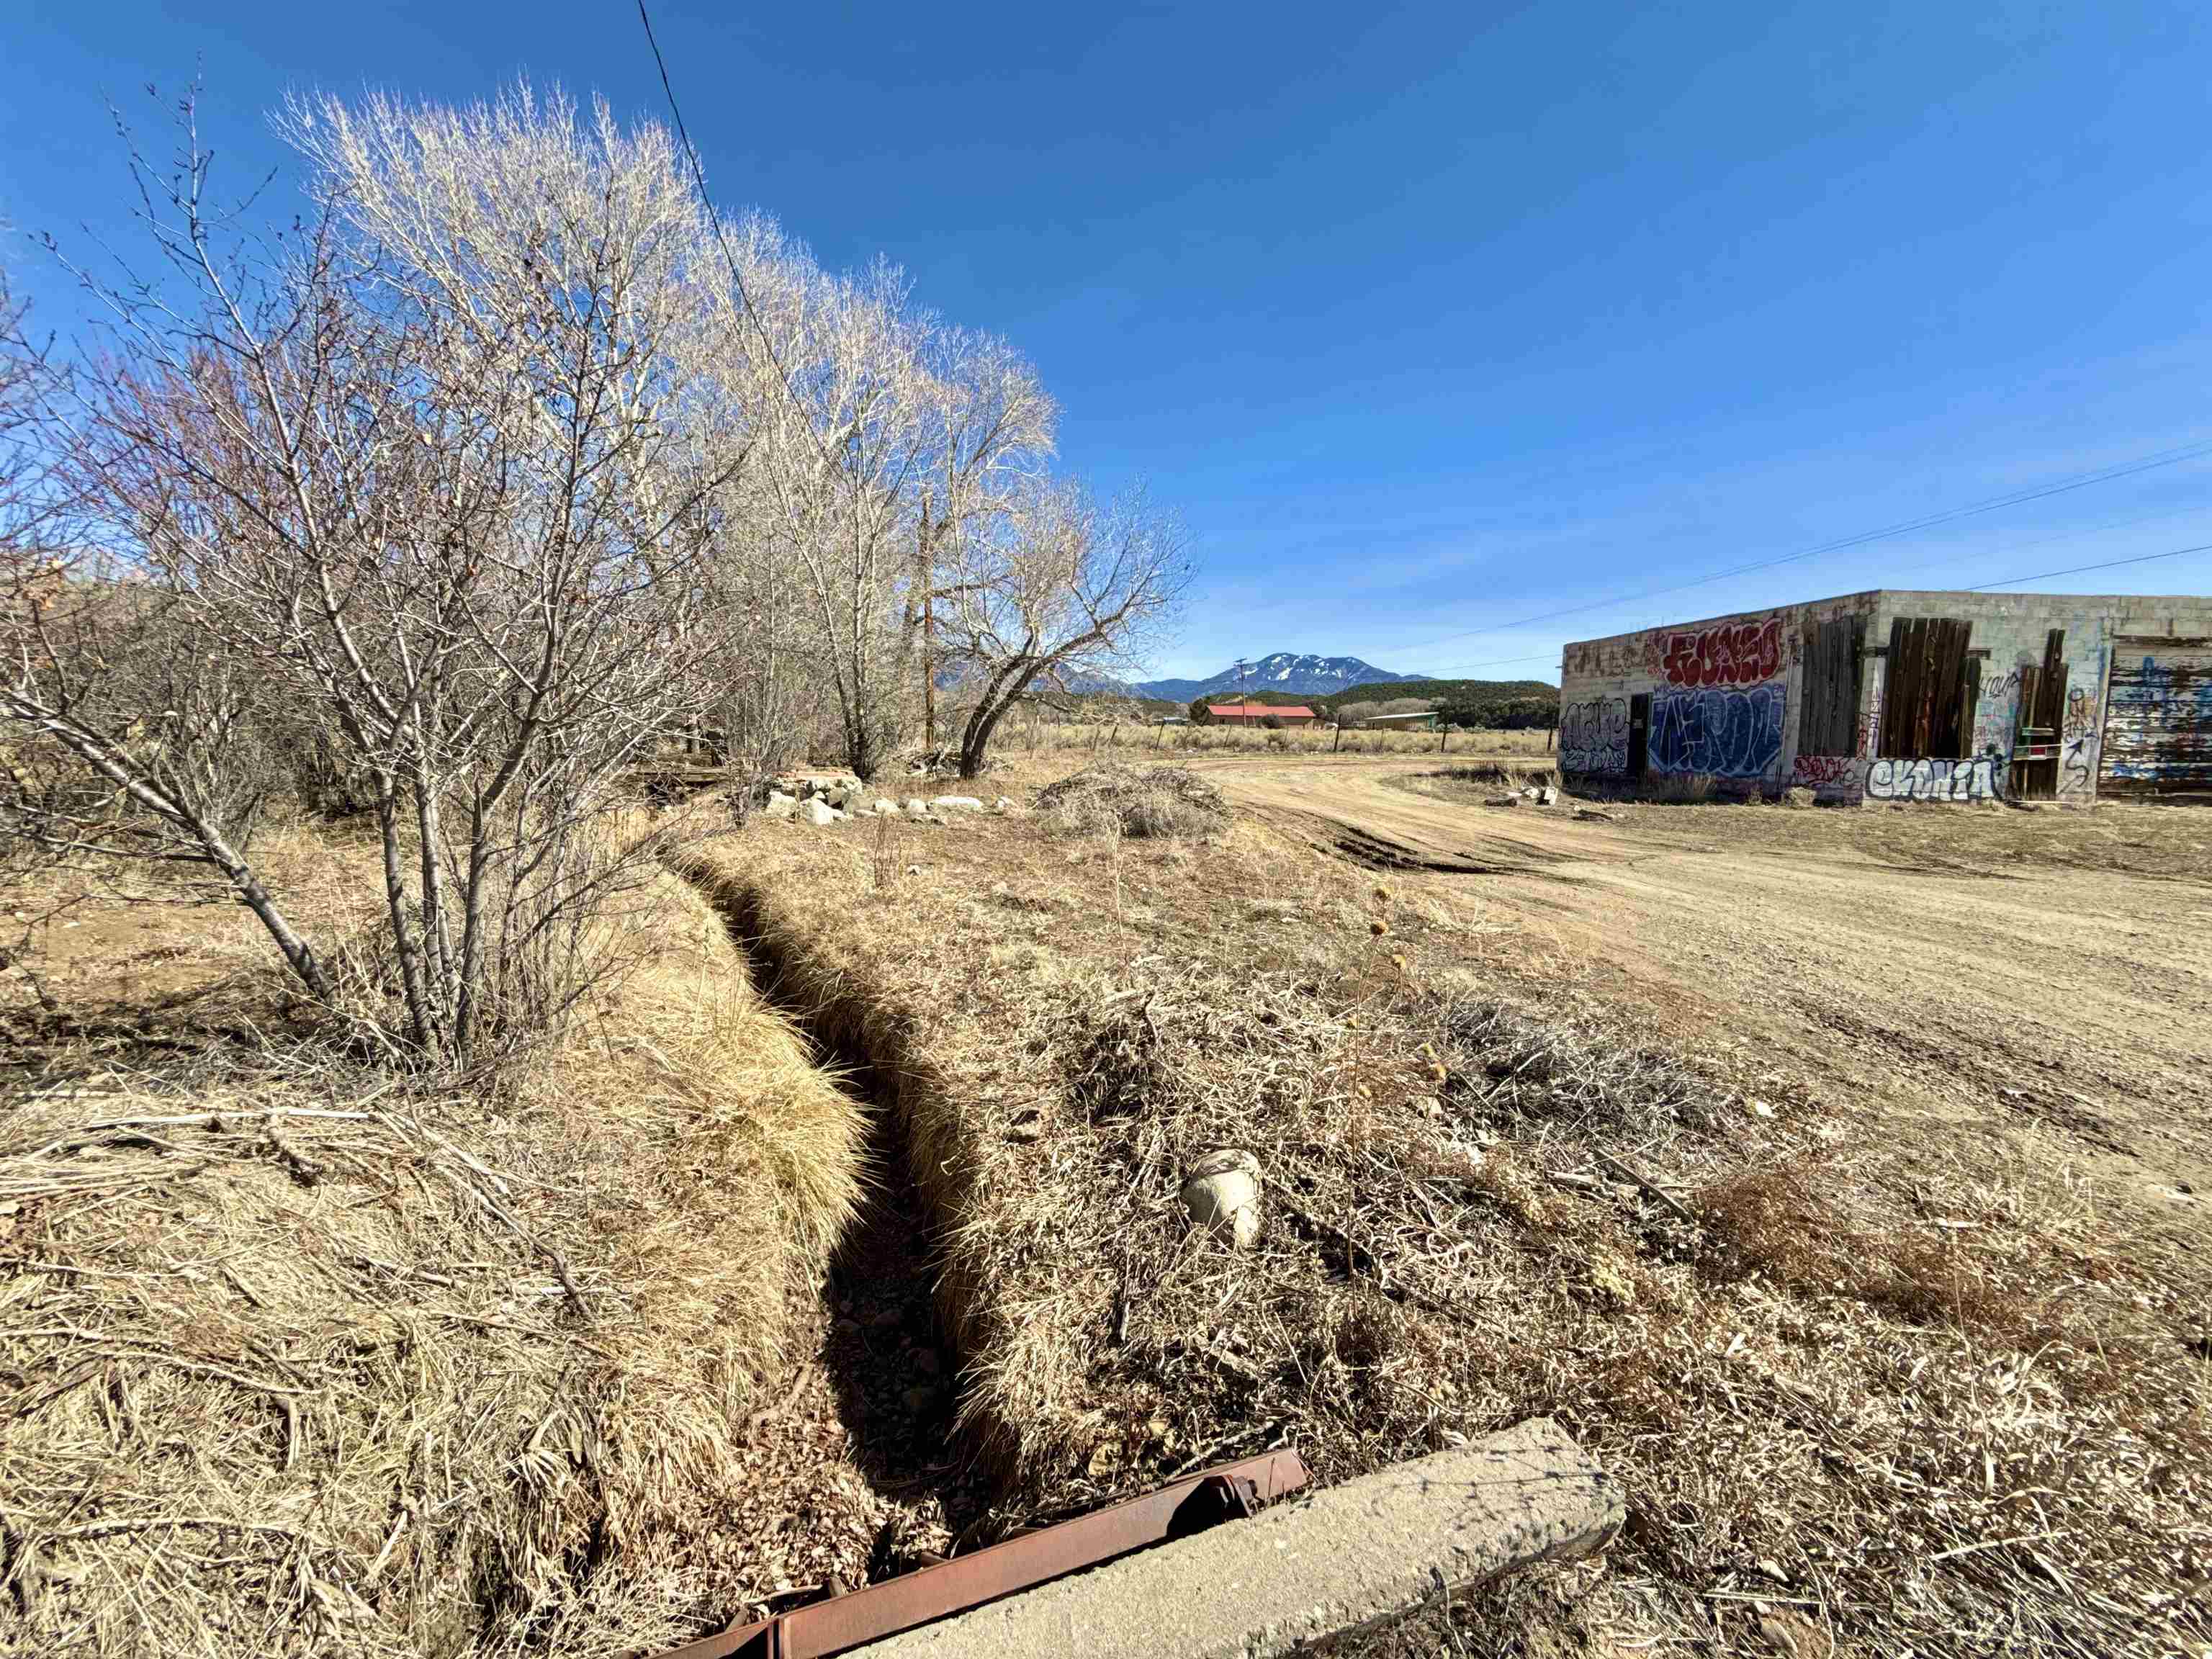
(1415, 720)
(1257, 713)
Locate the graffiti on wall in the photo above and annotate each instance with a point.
(1594, 735)
(1980, 778)
(2161, 718)
(1828, 772)
(2078, 761)
(1997, 710)
(1734, 653)
(1716, 732)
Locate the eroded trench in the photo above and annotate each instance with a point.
(859, 1472)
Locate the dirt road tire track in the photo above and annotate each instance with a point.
(2075, 1002)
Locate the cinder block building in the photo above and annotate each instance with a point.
(1895, 696)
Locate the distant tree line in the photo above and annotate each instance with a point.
(1497, 705)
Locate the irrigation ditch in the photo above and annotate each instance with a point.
(878, 1469)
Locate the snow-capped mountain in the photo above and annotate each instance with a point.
(1302, 674)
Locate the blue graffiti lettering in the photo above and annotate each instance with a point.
(1717, 732)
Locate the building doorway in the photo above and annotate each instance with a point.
(1639, 732)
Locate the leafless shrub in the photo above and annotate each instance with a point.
(417, 466)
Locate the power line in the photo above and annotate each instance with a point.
(2076, 570)
(715, 219)
(2015, 498)
(1935, 564)
(1465, 669)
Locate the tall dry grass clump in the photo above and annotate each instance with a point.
(303, 1357)
(1502, 774)
(913, 1010)
(1162, 802)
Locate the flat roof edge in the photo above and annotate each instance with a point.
(2136, 602)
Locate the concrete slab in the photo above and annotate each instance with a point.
(1344, 1559)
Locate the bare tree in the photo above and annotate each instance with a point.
(845, 439)
(132, 738)
(1064, 586)
(773, 636)
(420, 464)
(990, 428)
(505, 464)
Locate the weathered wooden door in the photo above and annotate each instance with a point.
(2035, 731)
(1828, 705)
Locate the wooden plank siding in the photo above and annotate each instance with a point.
(2158, 718)
(1828, 705)
(1928, 704)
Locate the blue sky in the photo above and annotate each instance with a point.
(1427, 318)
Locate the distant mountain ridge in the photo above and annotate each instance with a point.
(1301, 674)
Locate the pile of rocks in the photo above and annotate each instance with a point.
(836, 796)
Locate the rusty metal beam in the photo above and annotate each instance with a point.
(1186, 1506)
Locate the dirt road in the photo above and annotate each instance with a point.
(1989, 969)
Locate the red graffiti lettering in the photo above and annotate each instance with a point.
(1734, 653)
(1825, 771)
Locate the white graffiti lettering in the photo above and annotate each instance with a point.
(1593, 735)
(1981, 778)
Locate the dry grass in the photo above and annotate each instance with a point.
(1886, 1391)
(1067, 745)
(1480, 782)
(302, 1360)
(479, 1372)
(1161, 802)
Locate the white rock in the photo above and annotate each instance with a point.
(820, 812)
(957, 804)
(780, 806)
(1222, 1193)
(886, 808)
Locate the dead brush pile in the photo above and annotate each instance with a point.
(1867, 1395)
(1491, 776)
(301, 1359)
(1160, 802)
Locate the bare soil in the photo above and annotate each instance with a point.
(2042, 976)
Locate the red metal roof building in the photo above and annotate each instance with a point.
(1252, 714)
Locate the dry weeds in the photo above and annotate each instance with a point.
(1163, 802)
(302, 1359)
(489, 1372)
(1887, 1392)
